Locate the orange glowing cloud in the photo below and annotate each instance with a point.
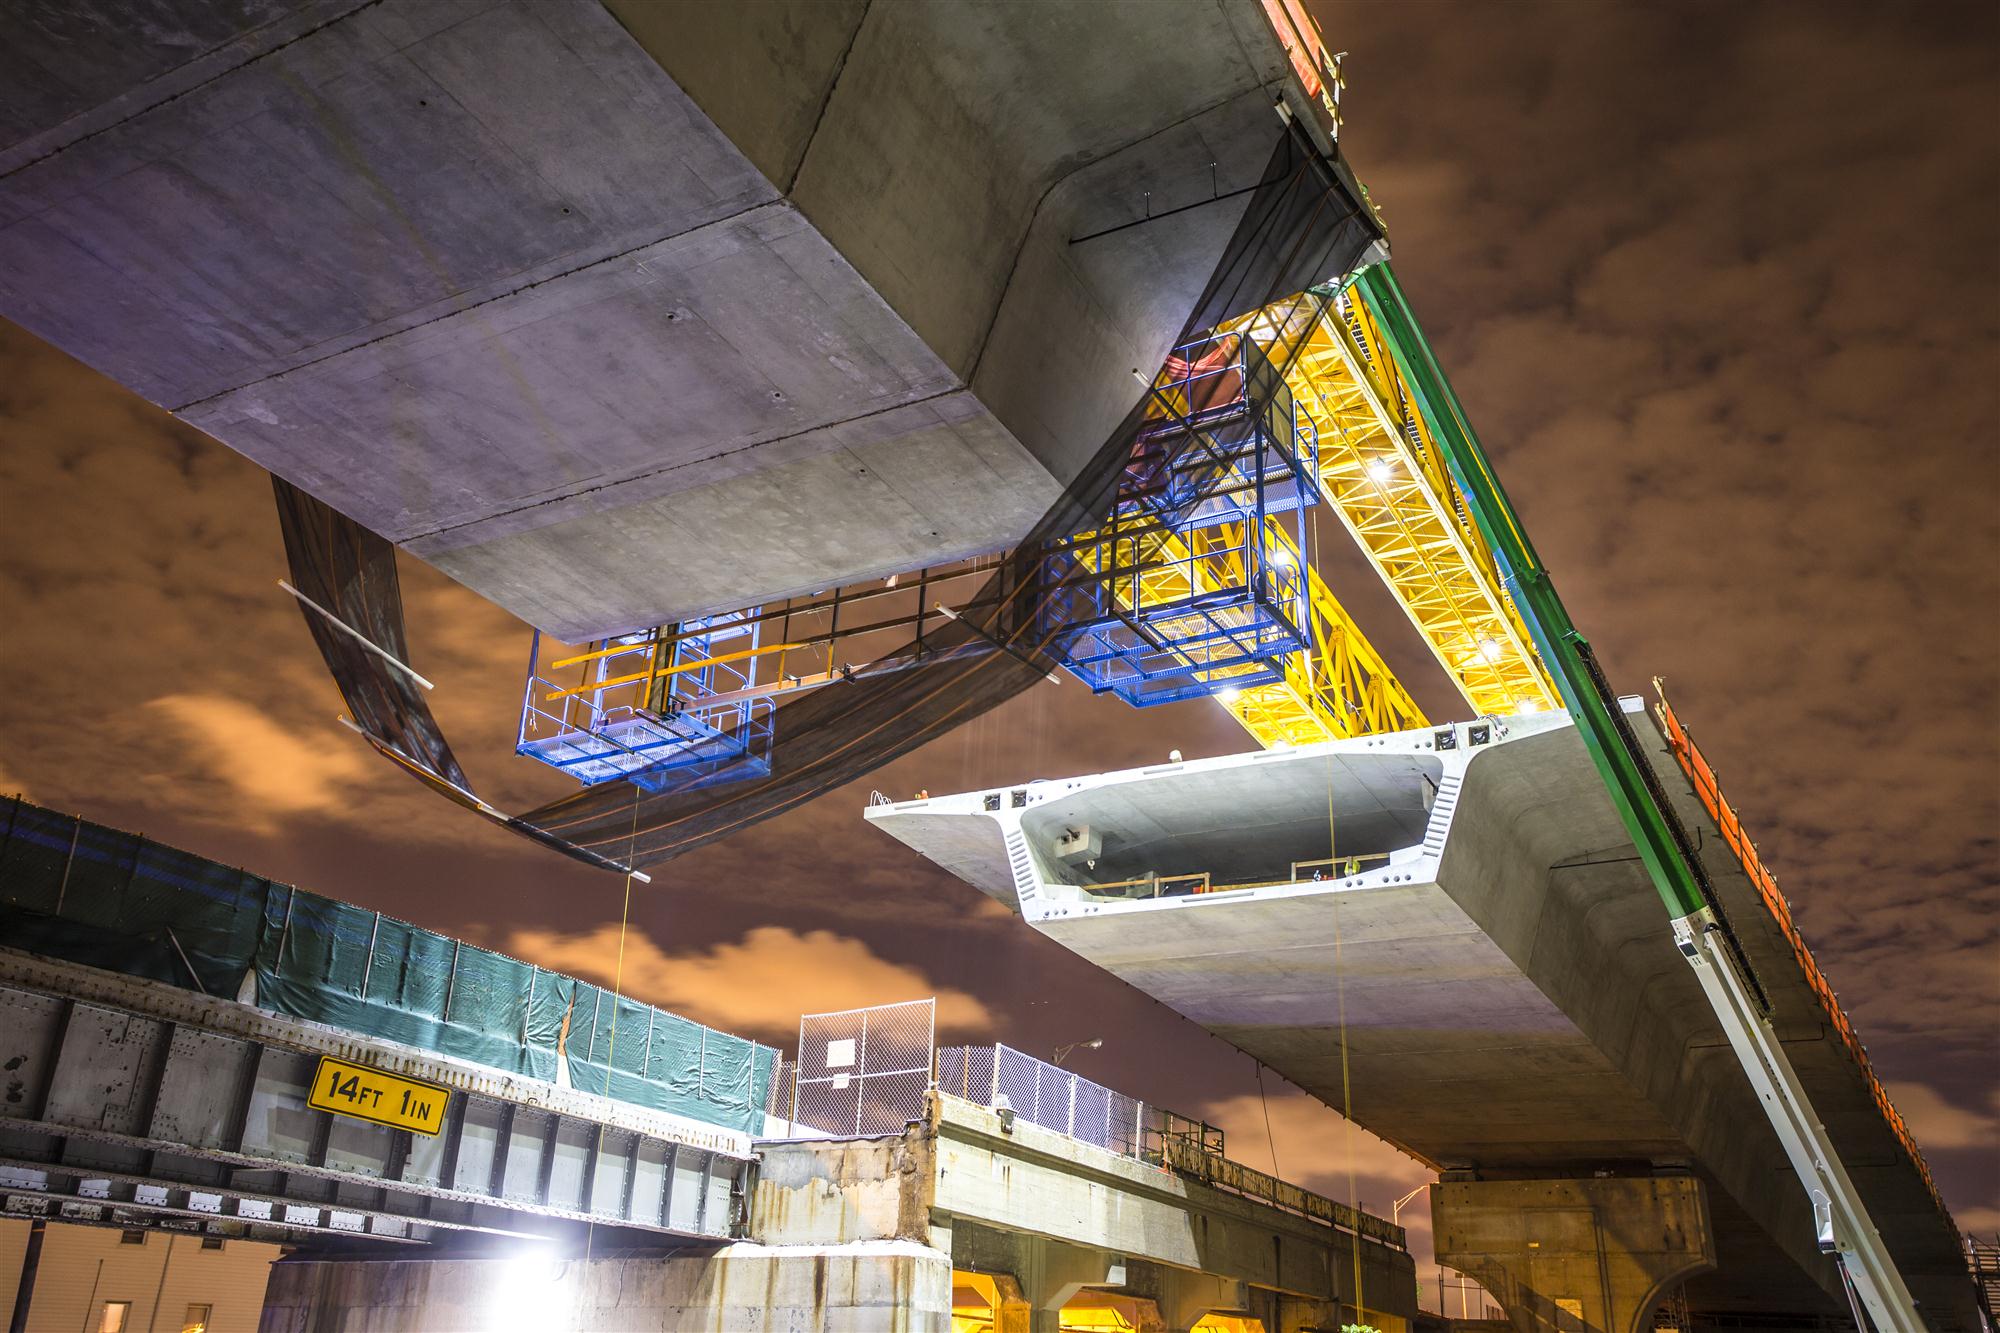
(757, 985)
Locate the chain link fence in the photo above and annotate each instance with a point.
(1053, 1098)
(864, 1071)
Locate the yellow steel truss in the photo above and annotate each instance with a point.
(1383, 475)
(1338, 687)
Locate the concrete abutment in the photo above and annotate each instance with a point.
(1004, 1223)
(883, 1285)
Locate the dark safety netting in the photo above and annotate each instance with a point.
(1306, 225)
(80, 892)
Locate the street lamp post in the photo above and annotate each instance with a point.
(1396, 1219)
(1062, 1052)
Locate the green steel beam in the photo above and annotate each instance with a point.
(1701, 931)
(1662, 841)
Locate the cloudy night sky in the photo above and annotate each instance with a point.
(1718, 283)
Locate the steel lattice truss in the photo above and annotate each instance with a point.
(1381, 473)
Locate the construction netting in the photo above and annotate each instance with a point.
(1306, 224)
(83, 893)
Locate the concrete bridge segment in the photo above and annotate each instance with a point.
(619, 311)
(1515, 1007)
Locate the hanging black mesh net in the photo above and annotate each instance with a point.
(1305, 226)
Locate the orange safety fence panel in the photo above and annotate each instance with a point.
(1710, 791)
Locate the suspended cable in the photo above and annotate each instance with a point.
(617, 993)
(1340, 1003)
(1347, 1101)
(1269, 1137)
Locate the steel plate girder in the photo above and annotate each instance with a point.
(108, 1113)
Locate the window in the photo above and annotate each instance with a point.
(196, 1320)
(211, 1242)
(131, 1238)
(114, 1316)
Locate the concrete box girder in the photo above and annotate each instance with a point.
(1513, 1000)
(487, 278)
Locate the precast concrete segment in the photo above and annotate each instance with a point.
(621, 312)
(1257, 965)
(1514, 1002)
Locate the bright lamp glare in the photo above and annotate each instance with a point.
(530, 1296)
(1489, 649)
(1527, 707)
(1227, 696)
(1282, 559)
(1380, 469)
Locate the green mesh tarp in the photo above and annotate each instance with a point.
(83, 893)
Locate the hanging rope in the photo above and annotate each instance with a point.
(1269, 1137)
(617, 992)
(1340, 1002)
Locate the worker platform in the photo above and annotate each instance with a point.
(1454, 920)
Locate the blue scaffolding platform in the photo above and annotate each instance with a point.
(671, 708)
(1192, 584)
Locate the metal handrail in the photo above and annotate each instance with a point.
(1215, 1169)
(1204, 880)
(1352, 862)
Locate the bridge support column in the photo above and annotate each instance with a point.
(1185, 1298)
(1035, 1277)
(1580, 1256)
(1053, 1274)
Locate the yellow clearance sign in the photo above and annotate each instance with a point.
(385, 1099)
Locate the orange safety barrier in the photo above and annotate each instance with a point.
(1300, 37)
(1710, 791)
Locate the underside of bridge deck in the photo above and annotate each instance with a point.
(570, 298)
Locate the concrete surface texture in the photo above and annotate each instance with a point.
(1596, 1253)
(572, 298)
(1513, 1003)
(878, 1285)
(1056, 1217)
(962, 1210)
